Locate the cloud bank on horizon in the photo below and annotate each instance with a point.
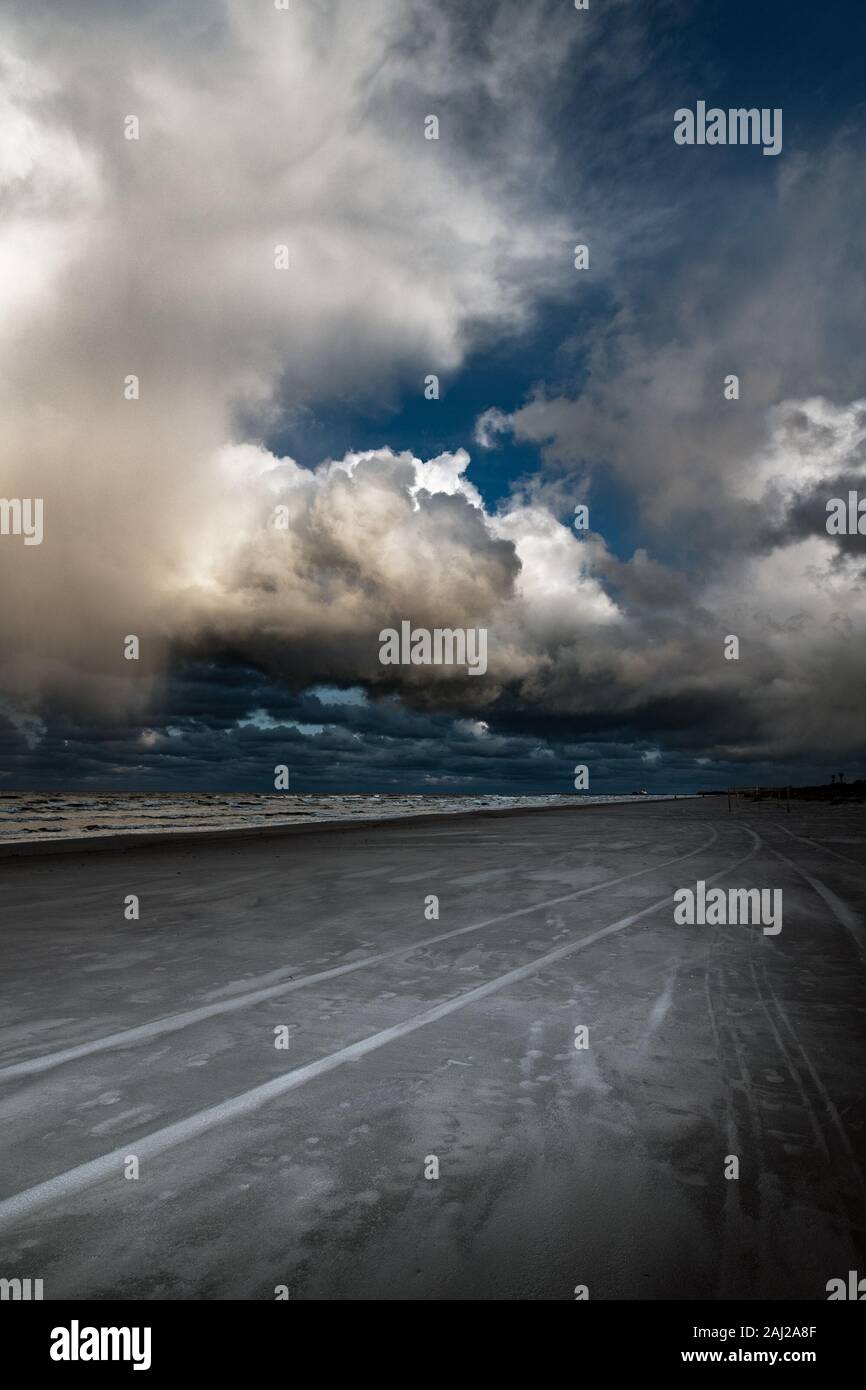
(155, 257)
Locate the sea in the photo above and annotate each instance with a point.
(29, 816)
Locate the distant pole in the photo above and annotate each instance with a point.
(729, 801)
(789, 801)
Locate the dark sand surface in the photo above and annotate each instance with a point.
(558, 1167)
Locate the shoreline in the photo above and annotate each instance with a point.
(136, 839)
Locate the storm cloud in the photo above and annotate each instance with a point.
(155, 258)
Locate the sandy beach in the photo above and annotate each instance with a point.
(413, 1038)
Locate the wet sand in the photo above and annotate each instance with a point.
(412, 1039)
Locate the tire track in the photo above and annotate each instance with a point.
(830, 1138)
(25, 1203)
(173, 1023)
(825, 849)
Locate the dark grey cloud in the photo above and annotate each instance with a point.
(156, 257)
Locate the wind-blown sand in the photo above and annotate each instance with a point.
(412, 1038)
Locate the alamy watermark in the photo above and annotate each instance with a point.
(736, 126)
(719, 907)
(77, 1343)
(854, 1289)
(846, 518)
(440, 646)
(21, 1290)
(22, 516)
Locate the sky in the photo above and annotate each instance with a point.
(293, 383)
